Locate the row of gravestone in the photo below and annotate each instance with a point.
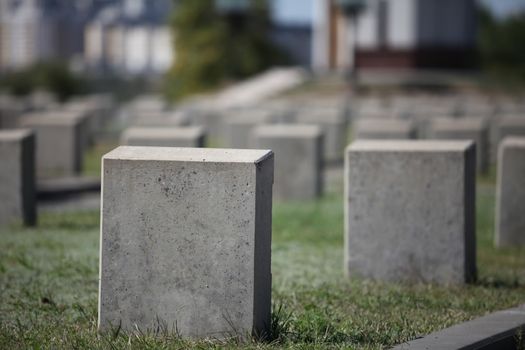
(63, 131)
(186, 232)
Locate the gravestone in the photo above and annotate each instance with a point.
(410, 211)
(161, 119)
(11, 108)
(185, 241)
(384, 129)
(298, 159)
(510, 197)
(503, 126)
(239, 123)
(475, 129)
(191, 136)
(60, 142)
(17, 177)
(332, 121)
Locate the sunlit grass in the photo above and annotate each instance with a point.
(48, 286)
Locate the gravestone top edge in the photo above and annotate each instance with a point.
(178, 132)
(282, 130)
(14, 134)
(409, 146)
(513, 141)
(188, 154)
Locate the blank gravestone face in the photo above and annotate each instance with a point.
(298, 159)
(510, 213)
(186, 238)
(410, 211)
(17, 177)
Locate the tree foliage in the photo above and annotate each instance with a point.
(50, 76)
(211, 48)
(502, 44)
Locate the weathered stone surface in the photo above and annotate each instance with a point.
(60, 142)
(510, 207)
(332, 121)
(384, 129)
(17, 177)
(186, 235)
(190, 136)
(410, 211)
(475, 129)
(298, 159)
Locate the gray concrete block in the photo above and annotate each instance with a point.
(298, 159)
(509, 126)
(475, 129)
(185, 241)
(500, 330)
(510, 194)
(384, 129)
(410, 211)
(60, 142)
(17, 177)
(332, 121)
(238, 125)
(190, 136)
(161, 119)
(11, 108)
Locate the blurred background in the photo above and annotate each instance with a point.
(79, 46)
(81, 73)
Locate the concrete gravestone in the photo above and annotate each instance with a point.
(186, 235)
(510, 212)
(384, 129)
(60, 142)
(17, 177)
(475, 129)
(190, 136)
(298, 159)
(332, 121)
(409, 211)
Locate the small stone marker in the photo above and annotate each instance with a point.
(510, 207)
(60, 142)
(186, 236)
(475, 129)
(510, 126)
(17, 177)
(332, 121)
(298, 159)
(238, 125)
(191, 136)
(384, 129)
(410, 211)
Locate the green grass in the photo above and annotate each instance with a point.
(48, 287)
(92, 158)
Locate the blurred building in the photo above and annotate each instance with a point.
(40, 30)
(130, 37)
(396, 34)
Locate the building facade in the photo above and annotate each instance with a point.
(131, 37)
(396, 34)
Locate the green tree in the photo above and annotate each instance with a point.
(501, 45)
(211, 49)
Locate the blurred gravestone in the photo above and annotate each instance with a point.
(17, 177)
(409, 211)
(510, 212)
(298, 159)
